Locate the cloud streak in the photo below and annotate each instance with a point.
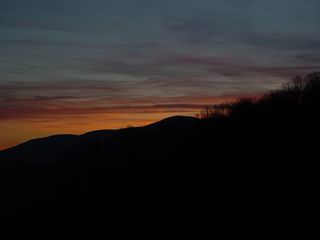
(47, 107)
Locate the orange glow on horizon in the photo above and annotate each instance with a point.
(15, 132)
(22, 125)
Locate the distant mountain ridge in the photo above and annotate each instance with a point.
(58, 148)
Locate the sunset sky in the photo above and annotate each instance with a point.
(71, 66)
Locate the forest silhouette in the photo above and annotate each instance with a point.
(299, 96)
(276, 132)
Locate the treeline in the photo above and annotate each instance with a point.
(301, 94)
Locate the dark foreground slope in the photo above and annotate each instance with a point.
(73, 175)
(67, 172)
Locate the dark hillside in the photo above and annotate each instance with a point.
(278, 132)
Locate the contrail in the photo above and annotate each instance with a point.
(20, 64)
(9, 71)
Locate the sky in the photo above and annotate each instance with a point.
(71, 66)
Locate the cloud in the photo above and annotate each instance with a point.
(194, 70)
(40, 107)
(309, 58)
(20, 64)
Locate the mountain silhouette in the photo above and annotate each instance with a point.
(113, 147)
(275, 133)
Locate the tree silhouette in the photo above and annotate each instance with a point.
(302, 92)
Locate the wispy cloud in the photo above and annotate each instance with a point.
(45, 101)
